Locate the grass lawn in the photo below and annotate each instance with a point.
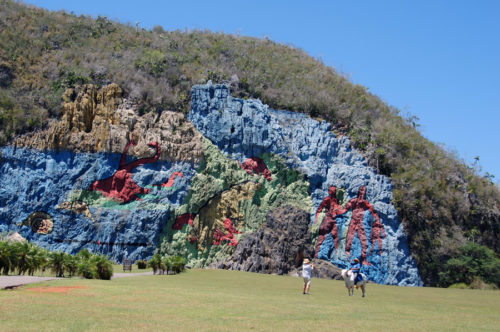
(218, 300)
(117, 268)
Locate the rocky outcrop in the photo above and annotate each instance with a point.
(278, 247)
(224, 206)
(223, 190)
(56, 185)
(237, 186)
(54, 172)
(15, 238)
(102, 121)
(246, 129)
(325, 269)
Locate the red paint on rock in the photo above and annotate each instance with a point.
(257, 166)
(183, 219)
(121, 186)
(220, 236)
(328, 225)
(358, 205)
(376, 236)
(170, 181)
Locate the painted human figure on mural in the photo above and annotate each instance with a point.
(328, 225)
(376, 235)
(358, 205)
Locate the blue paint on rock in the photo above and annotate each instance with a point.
(32, 180)
(248, 128)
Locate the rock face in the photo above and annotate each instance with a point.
(15, 238)
(52, 172)
(101, 121)
(278, 247)
(236, 185)
(244, 129)
(325, 269)
(223, 190)
(56, 184)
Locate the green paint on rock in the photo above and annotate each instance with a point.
(219, 175)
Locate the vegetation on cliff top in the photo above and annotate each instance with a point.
(442, 202)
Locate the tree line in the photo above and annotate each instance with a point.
(26, 258)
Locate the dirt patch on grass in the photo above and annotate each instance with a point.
(60, 289)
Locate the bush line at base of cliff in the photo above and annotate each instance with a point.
(166, 264)
(26, 258)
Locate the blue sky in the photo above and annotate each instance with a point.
(438, 60)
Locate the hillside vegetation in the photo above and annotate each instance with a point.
(443, 203)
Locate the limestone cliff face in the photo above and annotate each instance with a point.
(368, 228)
(278, 247)
(55, 171)
(101, 121)
(235, 185)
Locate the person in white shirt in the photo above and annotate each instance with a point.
(307, 268)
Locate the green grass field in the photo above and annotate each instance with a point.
(218, 300)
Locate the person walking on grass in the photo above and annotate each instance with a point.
(307, 268)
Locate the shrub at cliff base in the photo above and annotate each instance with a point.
(161, 264)
(474, 265)
(141, 264)
(103, 267)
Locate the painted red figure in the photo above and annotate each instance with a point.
(377, 231)
(328, 224)
(120, 185)
(256, 165)
(219, 236)
(359, 205)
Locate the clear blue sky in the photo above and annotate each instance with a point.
(438, 60)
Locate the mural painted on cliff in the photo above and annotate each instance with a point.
(228, 200)
(119, 191)
(254, 160)
(69, 189)
(120, 186)
(40, 222)
(355, 227)
(246, 129)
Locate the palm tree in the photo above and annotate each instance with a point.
(155, 262)
(24, 252)
(84, 254)
(5, 257)
(38, 259)
(43, 258)
(178, 264)
(103, 266)
(86, 269)
(56, 262)
(70, 264)
(168, 263)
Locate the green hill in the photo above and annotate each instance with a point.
(442, 202)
